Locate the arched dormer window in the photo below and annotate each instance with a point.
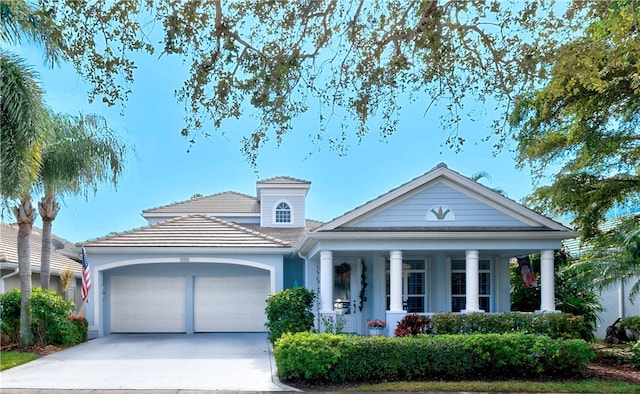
(283, 213)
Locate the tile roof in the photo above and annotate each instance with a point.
(192, 231)
(9, 250)
(293, 235)
(226, 202)
(285, 179)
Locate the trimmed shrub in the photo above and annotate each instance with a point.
(347, 358)
(554, 325)
(289, 311)
(10, 316)
(306, 355)
(413, 325)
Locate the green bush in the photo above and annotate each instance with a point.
(10, 315)
(634, 360)
(50, 322)
(289, 311)
(82, 327)
(305, 355)
(554, 325)
(348, 358)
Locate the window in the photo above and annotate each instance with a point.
(413, 285)
(459, 285)
(283, 213)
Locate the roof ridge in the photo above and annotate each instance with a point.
(198, 199)
(283, 177)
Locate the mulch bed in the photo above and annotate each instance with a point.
(608, 366)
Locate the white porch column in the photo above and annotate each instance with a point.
(547, 279)
(395, 281)
(473, 281)
(326, 281)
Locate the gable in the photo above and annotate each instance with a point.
(441, 199)
(438, 205)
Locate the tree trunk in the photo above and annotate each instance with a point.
(48, 208)
(25, 215)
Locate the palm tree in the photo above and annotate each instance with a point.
(84, 152)
(23, 128)
(483, 174)
(614, 256)
(21, 22)
(23, 132)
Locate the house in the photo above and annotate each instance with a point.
(62, 258)
(615, 299)
(440, 242)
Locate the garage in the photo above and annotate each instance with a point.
(187, 298)
(142, 304)
(231, 301)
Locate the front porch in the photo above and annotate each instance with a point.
(354, 287)
(438, 243)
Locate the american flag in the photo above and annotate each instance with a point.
(86, 277)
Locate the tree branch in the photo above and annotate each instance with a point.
(422, 23)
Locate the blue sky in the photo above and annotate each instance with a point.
(160, 171)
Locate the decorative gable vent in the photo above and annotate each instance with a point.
(440, 213)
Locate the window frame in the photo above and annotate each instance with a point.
(485, 300)
(406, 273)
(276, 211)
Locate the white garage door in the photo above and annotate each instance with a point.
(148, 304)
(232, 300)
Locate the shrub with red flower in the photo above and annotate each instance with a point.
(413, 324)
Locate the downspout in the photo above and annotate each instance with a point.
(14, 273)
(306, 267)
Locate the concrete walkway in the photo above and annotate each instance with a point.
(150, 362)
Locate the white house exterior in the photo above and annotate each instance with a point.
(438, 243)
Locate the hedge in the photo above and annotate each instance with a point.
(332, 358)
(554, 325)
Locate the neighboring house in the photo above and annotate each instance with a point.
(62, 257)
(438, 243)
(615, 299)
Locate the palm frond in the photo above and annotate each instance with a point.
(23, 126)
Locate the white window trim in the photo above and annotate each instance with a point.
(291, 211)
(427, 280)
(492, 279)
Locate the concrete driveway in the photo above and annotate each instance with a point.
(220, 361)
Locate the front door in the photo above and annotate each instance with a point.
(346, 290)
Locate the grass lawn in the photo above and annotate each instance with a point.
(12, 358)
(586, 386)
